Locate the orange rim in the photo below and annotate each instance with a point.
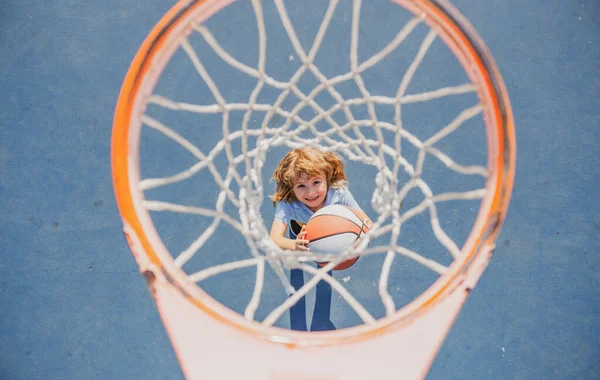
(458, 35)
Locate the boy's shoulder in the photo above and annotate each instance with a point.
(337, 194)
(341, 188)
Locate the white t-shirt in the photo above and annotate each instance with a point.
(298, 211)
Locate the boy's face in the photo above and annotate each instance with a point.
(311, 191)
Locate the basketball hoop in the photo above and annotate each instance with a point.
(210, 339)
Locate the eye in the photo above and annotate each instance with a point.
(316, 182)
(299, 186)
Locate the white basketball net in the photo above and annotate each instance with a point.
(387, 196)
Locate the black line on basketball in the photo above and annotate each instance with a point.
(338, 233)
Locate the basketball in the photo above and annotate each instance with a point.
(335, 228)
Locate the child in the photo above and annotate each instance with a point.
(307, 180)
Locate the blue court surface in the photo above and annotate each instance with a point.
(73, 304)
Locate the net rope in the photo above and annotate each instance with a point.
(280, 126)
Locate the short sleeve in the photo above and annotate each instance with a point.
(347, 199)
(283, 212)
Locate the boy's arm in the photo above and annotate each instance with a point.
(277, 233)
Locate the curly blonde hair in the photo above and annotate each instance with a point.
(309, 162)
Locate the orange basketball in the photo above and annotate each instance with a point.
(334, 229)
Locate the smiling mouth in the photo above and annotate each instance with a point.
(312, 199)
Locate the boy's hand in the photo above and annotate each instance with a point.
(301, 242)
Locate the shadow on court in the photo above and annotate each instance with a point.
(321, 320)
